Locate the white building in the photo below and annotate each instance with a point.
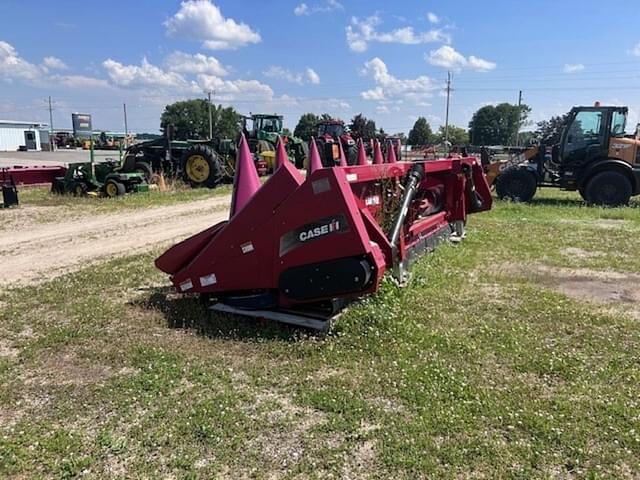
(15, 135)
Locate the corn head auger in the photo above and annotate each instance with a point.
(298, 249)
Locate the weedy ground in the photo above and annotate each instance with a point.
(175, 192)
(511, 355)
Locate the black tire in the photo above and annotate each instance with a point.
(323, 151)
(201, 167)
(57, 186)
(582, 193)
(302, 155)
(145, 169)
(516, 184)
(79, 189)
(113, 188)
(608, 189)
(352, 155)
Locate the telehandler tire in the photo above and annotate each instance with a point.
(516, 184)
(608, 189)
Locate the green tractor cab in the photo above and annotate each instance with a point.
(263, 137)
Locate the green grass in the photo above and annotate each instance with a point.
(41, 196)
(478, 368)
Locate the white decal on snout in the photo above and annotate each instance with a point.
(208, 280)
(247, 247)
(186, 285)
(334, 226)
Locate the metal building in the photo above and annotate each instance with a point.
(18, 135)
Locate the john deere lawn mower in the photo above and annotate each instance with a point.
(104, 179)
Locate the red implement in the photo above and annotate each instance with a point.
(300, 249)
(36, 175)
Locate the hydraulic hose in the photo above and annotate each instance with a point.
(472, 194)
(414, 177)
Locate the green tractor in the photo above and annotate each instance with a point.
(263, 137)
(108, 178)
(104, 179)
(200, 163)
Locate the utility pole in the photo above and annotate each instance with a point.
(210, 117)
(519, 114)
(126, 127)
(50, 125)
(446, 121)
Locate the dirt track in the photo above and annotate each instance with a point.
(32, 253)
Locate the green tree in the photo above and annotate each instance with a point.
(421, 133)
(307, 126)
(190, 119)
(549, 131)
(362, 127)
(497, 125)
(401, 135)
(457, 135)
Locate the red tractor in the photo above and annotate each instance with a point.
(329, 133)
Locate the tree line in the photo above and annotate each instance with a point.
(490, 125)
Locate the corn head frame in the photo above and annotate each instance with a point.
(298, 249)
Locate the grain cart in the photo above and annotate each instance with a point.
(297, 250)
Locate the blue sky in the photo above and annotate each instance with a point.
(388, 60)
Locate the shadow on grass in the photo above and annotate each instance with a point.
(558, 202)
(189, 312)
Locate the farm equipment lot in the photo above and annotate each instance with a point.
(513, 354)
(59, 157)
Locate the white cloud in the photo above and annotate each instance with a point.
(12, 66)
(388, 86)
(81, 81)
(480, 64)
(573, 67)
(433, 18)
(312, 76)
(328, 6)
(185, 63)
(448, 57)
(145, 75)
(233, 89)
(275, 71)
(302, 9)
(54, 63)
(201, 20)
(636, 50)
(361, 32)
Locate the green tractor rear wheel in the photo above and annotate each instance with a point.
(201, 167)
(113, 189)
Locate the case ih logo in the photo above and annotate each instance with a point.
(312, 231)
(316, 232)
